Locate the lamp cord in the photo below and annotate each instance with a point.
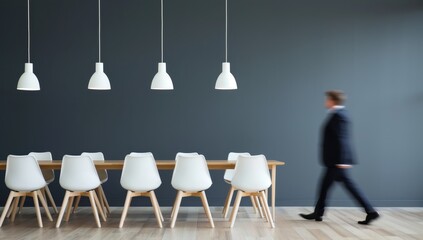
(226, 30)
(29, 37)
(161, 14)
(99, 33)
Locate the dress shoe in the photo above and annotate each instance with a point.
(369, 218)
(311, 216)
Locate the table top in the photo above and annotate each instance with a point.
(161, 164)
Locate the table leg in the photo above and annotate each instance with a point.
(274, 191)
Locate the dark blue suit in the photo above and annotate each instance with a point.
(336, 149)
(336, 146)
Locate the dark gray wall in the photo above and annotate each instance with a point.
(284, 54)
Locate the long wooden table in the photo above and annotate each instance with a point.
(169, 165)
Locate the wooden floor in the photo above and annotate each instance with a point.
(339, 224)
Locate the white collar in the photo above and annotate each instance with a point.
(336, 107)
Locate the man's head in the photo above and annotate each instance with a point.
(334, 97)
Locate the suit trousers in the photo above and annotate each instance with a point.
(333, 175)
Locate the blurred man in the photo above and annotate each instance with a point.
(337, 157)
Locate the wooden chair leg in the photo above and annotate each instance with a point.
(253, 202)
(62, 209)
(259, 207)
(14, 208)
(176, 210)
(100, 199)
(266, 207)
(43, 191)
(45, 206)
(206, 207)
(174, 204)
(228, 202)
(9, 212)
(173, 207)
(156, 208)
(99, 209)
(6, 207)
(51, 199)
(161, 214)
(69, 208)
(37, 208)
(235, 208)
(22, 203)
(125, 208)
(78, 198)
(93, 206)
(106, 203)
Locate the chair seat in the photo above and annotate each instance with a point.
(25, 189)
(151, 186)
(103, 176)
(48, 175)
(22, 188)
(250, 190)
(141, 190)
(79, 189)
(80, 186)
(48, 181)
(250, 186)
(190, 189)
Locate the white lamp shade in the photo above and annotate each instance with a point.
(28, 81)
(226, 81)
(99, 80)
(162, 80)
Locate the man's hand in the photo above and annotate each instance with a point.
(343, 166)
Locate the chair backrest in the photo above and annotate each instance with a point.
(44, 156)
(95, 156)
(251, 174)
(98, 156)
(140, 154)
(233, 157)
(78, 173)
(140, 173)
(179, 154)
(23, 174)
(191, 174)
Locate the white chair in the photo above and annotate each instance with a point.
(78, 177)
(102, 174)
(251, 178)
(140, 154)
(182, 154)
(140, 177)
(191, 178)
(48, 175)
(24, 178)
(229, 173)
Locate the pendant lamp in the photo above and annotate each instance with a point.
(162, 80)
(28, 81)
(226, 81)
(99, 80)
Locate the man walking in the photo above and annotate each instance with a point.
(337, 157)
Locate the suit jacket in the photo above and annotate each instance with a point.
(336, 143)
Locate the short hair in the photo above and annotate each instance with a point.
(337, 96)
